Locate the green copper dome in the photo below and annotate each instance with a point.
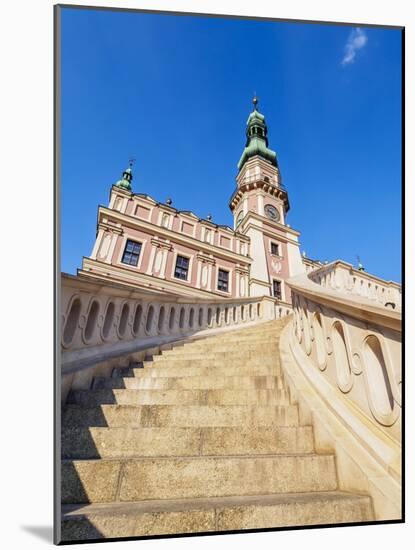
(125, 182)
(256, 139)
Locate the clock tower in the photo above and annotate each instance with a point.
(259, 206)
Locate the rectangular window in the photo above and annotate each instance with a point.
(182, 268)
(131, 253)
(223, 280)
(276, 289)
(275, 249)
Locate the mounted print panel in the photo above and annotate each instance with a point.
(213, 376)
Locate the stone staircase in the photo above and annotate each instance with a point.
(203, 438)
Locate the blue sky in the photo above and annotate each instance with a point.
(175, 92)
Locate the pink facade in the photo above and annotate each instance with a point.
(163, 234)
(277, 264)
(145, 243)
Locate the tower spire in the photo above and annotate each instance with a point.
(257, 138)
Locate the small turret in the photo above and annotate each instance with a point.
(127, 176)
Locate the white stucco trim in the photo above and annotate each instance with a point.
(161, 215)
(245, 205)
(199, 273)
(97, 244)
(259, 268)
(110, 254)
(151, 259)
(295, 262)
(210, 270)
(260, 204)
(162, 273)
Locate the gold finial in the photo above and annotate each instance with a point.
(255, 101)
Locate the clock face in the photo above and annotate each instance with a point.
(272, 212)
(239, 218)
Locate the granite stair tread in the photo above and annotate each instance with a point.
(198, 515)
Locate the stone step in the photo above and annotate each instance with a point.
(249, 333)
(204, 361)
(205, 382)
(235, 336)
(195, 416)
(90, 398)
(223, 346)
(245, 335)
(178, 370)
(234, 340)
(136, 479)
(231, 342)
(161, 517)
(84, 443)
(217, 355)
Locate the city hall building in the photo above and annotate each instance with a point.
(152, 245)
(147, 243)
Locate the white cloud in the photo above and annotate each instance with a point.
(356, 41)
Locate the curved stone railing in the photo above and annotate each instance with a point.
(102, 321)
(343, 277)
(342, 355)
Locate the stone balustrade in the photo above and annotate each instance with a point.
(343, 277)
(101, 321)
(342, 355)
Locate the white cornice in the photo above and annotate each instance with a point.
(108, 227)
(269, 230)
(115, 274)
(259, 282)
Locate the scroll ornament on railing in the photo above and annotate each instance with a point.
(364, 357)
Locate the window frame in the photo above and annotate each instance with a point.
(280, 297)
(218, 280)
(131, 253)
(181, 267)
(278, 245)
